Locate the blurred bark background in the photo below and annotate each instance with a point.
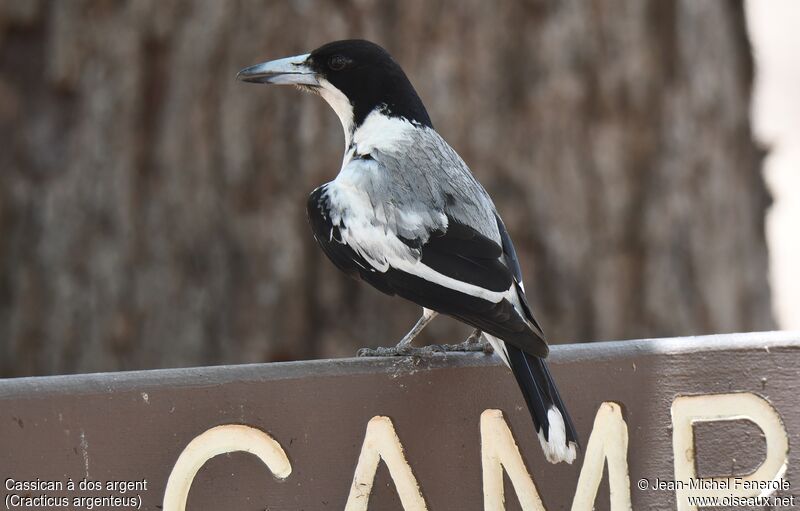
(152, 209)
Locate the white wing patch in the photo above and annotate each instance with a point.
(366, 232)
(353, 212)
(425, 272)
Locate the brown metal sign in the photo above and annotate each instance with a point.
(665, 424)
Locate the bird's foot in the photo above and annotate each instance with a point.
(468, 346)
(473, 343)
(402, 351)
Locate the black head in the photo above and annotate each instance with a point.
(362, 71)
(370, 78)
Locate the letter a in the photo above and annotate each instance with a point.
(381, 442)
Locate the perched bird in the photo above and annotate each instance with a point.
(406, 215)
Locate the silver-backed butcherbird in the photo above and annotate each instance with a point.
(406, 215)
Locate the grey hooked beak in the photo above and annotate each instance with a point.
(288, 71)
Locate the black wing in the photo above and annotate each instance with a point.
(459, 255)
(510, 256)
(464, 254)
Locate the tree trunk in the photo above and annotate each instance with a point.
(152, 208)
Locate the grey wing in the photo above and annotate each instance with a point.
(428, 175)
(466, 265)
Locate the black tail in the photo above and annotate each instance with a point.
(553, 423)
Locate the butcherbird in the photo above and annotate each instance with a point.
(406, 215)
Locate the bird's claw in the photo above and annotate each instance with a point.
(400, 351)
(380, 351)
(425, 351)
(468, 346)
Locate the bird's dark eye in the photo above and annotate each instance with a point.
(338, 62)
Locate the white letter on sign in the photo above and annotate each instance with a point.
(607, 443)
(499, 451)
(215, 441)
(687, 410)
(381, 442)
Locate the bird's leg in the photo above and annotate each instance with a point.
(474, 342)
(427, 317)
(404, 346)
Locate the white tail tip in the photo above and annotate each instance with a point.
(556, 448)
